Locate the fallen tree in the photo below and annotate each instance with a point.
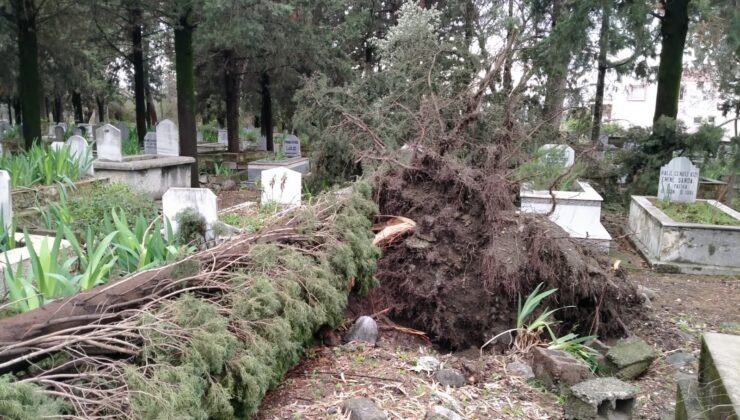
(203, 338)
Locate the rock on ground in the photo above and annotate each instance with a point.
(441, 413)
(557, 368)
(365, 330)
(630, 358)
(601, 398)
(520, 369)
(362, 409)
(426, 364)
(450, 377)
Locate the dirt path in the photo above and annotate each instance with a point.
(682, 307)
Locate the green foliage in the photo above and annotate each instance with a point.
(210, 133)
(25, 401)
(253, 221)
(524, 312)
(7, 236)
(697, 212)
(219, 168)
(229, 359)
(191, 227)
(656, 148)
(44, 165)
(130, 146)
(545, 168)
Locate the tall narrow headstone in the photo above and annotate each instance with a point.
(281, 185)
(679, 181)
(262, 143)
(150, 143)
(199, 137)
(59, 133)
(6, 200)
(202, 200)
(80, 150)
(168, 139)
(292, 146)
(123, 128)
(560, 154)
(223, 136)
(108, 141)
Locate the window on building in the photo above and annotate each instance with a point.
(711, 120)
(697, 120)
(636, 92)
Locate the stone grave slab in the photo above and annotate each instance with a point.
(560, 154)
(282, 186)
(202, 200)
(291, 146)
(168, 139)
(108, 141)
(150, 143)
(679, 181)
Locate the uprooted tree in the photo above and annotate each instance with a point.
(472, 253)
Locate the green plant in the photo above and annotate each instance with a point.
(45, 165)
(546, 169)
(96, 263)
(7, 236)
(191, 226)
(219, 168)
(130, 145)
(142, 247)
(696, 212)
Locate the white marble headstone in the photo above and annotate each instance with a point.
(150, 143)
(223, 136)
(108, 141)
(59, 133)
(292, 146)
(168, 139)
(562, 154)
(123, 128)
(202, 200)
(281, 185)
(679, 181)
(57, 145)
(79, 149)
(6, 200)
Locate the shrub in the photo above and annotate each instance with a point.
(93, 208)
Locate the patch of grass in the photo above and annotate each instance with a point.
(253, 221)
(697, 212)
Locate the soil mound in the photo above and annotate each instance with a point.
(460, 274)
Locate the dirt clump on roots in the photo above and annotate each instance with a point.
(459, 275)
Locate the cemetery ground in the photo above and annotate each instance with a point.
(682, 307)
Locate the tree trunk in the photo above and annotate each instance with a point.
(29, 88)
(556, 79)
(58, 109)
(151, 109)
(508, 82)
(77, 105)
(601, 74)
(266, 111)
(184, 66)
(18, 111)
(673, 29)
(232, 82)
(101, 108)
(138, 61)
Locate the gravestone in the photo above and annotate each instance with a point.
(282, 186)
(76, 131)
(94, 118)
(51, 133)
(291, 146)
(168, 139)
(199, 137)
(202, 200)
(57, 145)
(108, 141)
(262, 143)
(6, 200)
(123, 128)
(223, 136)
(59, 133)
(560, 154)
(80, 150)
(63, 125)
(679, 181)
(150, 143)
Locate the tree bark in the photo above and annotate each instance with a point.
(29, 88)
(18, 111)
(151, 109)
(673, 28)
(101, 107)
(232, 84)
(58, 109)
(77, 105)
(138, 62)
(508, 82)
(601, 73)
(266, 111)
(556, 79)
(184, 65)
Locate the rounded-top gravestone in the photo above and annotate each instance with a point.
(108, 140)
(168, 139)
(557, 154)
(679, 181)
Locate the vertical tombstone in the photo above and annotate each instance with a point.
(262, 143)
(281, 185)
(199, 137)
(168, 139)
(108, 141)
(80, 150)
(150, 143)
(57, 145)
(202, 200)
(223, 136)
(292, 146)
(557, 154)
(679, 181)
(59, 133)
(123, 128)
(6, 200)
(51, 133)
